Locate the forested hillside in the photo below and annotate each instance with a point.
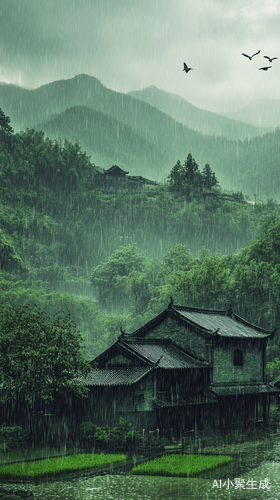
(105, 138)
(115, 259)
(116, 128)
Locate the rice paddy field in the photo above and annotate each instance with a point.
(54, 466)
(180, 465)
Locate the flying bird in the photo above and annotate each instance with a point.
(250, 57)
(266, 68)
(186, 69)
(270, 58)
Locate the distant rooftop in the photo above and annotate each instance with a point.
(115, 170)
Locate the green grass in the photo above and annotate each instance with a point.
(52, 466)
(180, 465)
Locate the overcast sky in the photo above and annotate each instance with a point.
(131, 44)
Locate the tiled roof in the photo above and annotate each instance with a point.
(227, 326)
(115, 170)
(116, 376)
(245, 389)
(223, 323)
(206, 397)
(166, 355)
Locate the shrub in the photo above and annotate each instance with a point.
(153, 443)
(120, 436)
(274, 415)
(87, 431)
(11, 437)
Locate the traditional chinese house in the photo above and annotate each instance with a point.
(114, 178)
(186, 369)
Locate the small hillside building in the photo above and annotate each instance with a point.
(187, 369)
(114, 178)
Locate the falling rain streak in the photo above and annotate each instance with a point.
(139, 166)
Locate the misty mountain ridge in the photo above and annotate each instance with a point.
(198, 119)
(172, 140)
(52, 98)
(117, 128)
(27, 107)
(260, 112)
(104, 138)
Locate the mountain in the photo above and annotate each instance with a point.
(117, 128)
(105, 139)
(198, 119)
(40, 108)
(143, 141)
(26, 107)
(261, 112)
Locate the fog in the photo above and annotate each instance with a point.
(130, 45)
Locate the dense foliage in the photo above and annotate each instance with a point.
(39, 357)
(120, 436)
(115, 128)
(115, 258)
(188, 178)
(11, 437)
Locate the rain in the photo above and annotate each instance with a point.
(139, 249)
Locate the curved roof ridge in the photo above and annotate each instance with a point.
(200, 309)
(146, 325)
(115, 168)
(165, 355)
(203, 321)
(173, 309)
(140, 340)
(251, 325)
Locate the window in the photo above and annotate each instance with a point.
(238, 358)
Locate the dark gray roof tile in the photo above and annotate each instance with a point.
(227, 326)
(167, 355)
(116, 376)
(210, 322)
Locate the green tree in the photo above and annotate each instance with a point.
(176, 177)
(40, 356)
(8, 255)
(266, 247)
(204, 284)
(5, 127)
(145, 287)
(189, 179)
(273, 369)
(192, 176)
(209, 178)
(179, 258)
(111, 278)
